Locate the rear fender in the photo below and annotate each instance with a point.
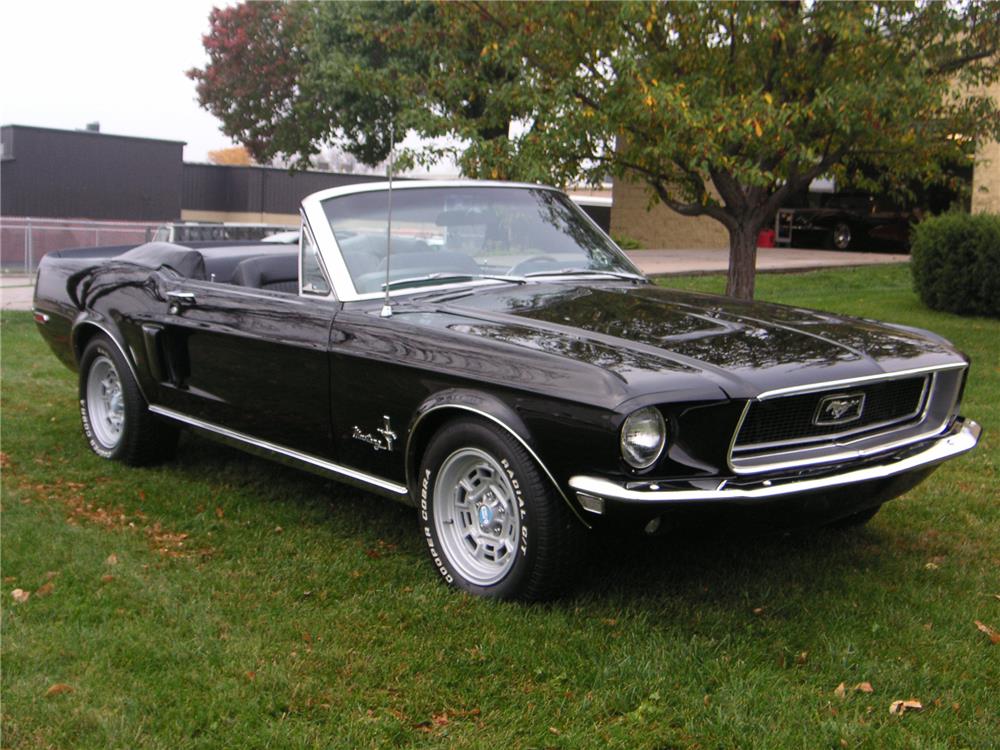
(87, 325)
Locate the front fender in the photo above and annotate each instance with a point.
(436, 409)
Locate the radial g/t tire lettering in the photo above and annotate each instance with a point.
(492, 522)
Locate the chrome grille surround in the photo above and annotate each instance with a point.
(936, 407)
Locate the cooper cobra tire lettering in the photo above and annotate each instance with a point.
(483, 498)
(137, 437)
(438, 563)
(88, 432)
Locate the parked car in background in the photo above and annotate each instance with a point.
(203, 231)
(846, 221)
(485, 353)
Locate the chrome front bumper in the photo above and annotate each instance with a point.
(594, 492)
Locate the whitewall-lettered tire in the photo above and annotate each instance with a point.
(493, 524)
(116, 421)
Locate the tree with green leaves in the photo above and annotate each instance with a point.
(721, 109)
(287, 79)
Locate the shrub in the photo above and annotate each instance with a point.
(626, 243)
(955, 260)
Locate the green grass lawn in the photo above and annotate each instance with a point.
(224, 601)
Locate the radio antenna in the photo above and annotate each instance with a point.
(386, 305)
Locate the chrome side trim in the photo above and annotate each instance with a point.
(104, 329)
(830, 384)
(961, 439)
(343, 472)
(505, 426)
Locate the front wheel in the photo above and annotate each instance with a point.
(116, 421)
(493, 524)
(840, 237)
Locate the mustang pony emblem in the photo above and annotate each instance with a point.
(839, 409)
(388, 436)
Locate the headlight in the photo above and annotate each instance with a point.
(644, 434)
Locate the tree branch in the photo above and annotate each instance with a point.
(950, 66)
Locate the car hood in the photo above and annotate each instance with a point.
(643, 332)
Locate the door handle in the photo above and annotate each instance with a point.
(178, 300)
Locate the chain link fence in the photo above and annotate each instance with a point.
(24, 240)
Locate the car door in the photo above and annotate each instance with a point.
(250, 361)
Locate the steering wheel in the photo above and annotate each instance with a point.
(519, 269)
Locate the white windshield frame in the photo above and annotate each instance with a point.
(333, 260)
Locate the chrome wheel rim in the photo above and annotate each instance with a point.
(476, 516)
(105, 402)
(842, 236)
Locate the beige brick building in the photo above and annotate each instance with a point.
(986, 176)
(659, 227)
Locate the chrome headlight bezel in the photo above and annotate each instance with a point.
(649, 421)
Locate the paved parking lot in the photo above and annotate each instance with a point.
(15, 292)
(16, 289)
(671, 262)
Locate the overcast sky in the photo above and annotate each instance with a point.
(64, 64)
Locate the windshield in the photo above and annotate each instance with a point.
(446, 234)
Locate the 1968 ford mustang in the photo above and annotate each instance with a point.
(484, 352)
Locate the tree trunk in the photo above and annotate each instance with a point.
(742, 260)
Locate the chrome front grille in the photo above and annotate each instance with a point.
(797, 418)
(814, 425)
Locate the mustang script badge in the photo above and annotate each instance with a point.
(383, 443)
(839, 409)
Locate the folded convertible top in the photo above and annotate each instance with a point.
(183, 260)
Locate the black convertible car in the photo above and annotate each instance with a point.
(485, 353)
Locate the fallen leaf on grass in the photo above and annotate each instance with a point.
(219, 512)
(864, 687)
(49, 575)
(112, 559)
(802, 658)
(898, 708)
(20, 595)
(373, 554)
(107, 578)
(58, 689)
(841, 690)
(758, 610)
(437, 720)
(45, 589)
(993, 635)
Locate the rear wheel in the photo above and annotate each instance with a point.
(840, 237)
(493, 524)
(116, 420)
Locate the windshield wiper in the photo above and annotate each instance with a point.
(588, 272)
(435, 277)
(500, 277)
(446, 278)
